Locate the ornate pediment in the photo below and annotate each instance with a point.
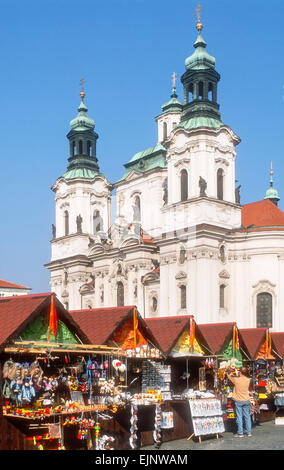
(181, 275)
(224, 274)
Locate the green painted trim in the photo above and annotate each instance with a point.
(37, 330)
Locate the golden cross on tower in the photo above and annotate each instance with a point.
(198, 10)
(82, 94)
(174, 79)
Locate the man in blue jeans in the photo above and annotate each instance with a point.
(241, 398)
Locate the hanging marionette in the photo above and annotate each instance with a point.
(36, 377)
(17, 383)
(8, 367)
(28, 391)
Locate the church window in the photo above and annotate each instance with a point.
(220, 184)
(80, 147)
(200, 90)
(165, 131)
(182, 255)
(183, 185)
(120, 294)
(154, 304)
(73, 148)
(264, 310)
(66, 223)
(137, 209)
(210, 91)
(97, 222)
(182, 296)
(222, 289)
(89, 148)
(190, 90)
(222, 254)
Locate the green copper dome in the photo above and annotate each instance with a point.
(200, 59)
(82, 121)
(272, 193)
(173, 104)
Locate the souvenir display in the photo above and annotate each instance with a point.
(157, 433)
(133, 439)
(156, 376)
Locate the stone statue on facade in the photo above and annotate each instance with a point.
(237, 194)
(202, 186)
(79, 221)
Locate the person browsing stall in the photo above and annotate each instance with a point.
(242, 400)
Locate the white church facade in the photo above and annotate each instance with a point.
(179, 242)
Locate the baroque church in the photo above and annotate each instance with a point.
(170, 236)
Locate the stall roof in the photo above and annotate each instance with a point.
(101, 324)
(278, 343)
(167, 330)
(253, 339)
(17, 312)
(216, 335)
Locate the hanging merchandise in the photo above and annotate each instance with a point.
(157, 433)
(133, 439)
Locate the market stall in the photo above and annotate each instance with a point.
(262, 363)
(277, 340)
(223, 341)
(53, 383)
(192, 377)
(123, 327)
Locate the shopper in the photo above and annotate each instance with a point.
(242, 400)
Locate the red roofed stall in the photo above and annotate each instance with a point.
(43, 356)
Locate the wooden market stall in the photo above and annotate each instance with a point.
(257, 342)
(187, 352)
(125, 328)
(223, 342)
(44, 357)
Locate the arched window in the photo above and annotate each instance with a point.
(80, 147)
(66, 223)
(120, 294)
(97, 222)
(222, 289)
(190, 91)
(200, 90)
(165, 131)
(182, 296)
(222, 254)
(137, 209)
(154, 304)
(73, 148)
(182, 255)
(183, 185)
(89, 148)
(264, 310)
(220, 184)
(210, 91)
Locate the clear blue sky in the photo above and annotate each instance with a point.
(127, 51)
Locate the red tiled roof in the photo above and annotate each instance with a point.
(15, 311)
(167, 330)
(18, 311)
(262, 214)
(278, 343)
(8, 284)
(216, 335)
(253, 339)
(98, 324)
(146, 238)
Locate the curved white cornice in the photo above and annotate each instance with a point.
(202, 130)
